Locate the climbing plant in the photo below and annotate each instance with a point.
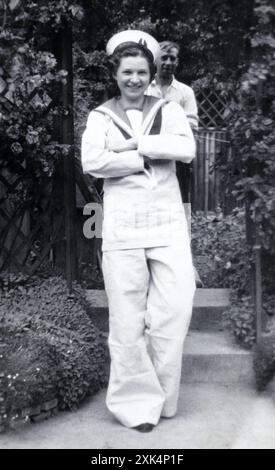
(30, 80)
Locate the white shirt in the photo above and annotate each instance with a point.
(180, 93)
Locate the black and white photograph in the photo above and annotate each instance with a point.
(137, 227)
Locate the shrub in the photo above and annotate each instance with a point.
(220, 250)
(264, 360)
(49, 346)
(224, 259)
(241, 318)
(28, 372)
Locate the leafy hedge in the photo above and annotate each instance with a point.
(49, 346)
(251, 169)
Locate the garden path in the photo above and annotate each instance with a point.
(210, 416)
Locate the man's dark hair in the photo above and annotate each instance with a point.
(168, 45)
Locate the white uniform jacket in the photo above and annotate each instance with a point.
(142, 207)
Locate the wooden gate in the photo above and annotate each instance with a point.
(207, 192)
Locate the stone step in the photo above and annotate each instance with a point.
(209, 305)
(214, 357)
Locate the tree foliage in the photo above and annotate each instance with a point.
(213, 37)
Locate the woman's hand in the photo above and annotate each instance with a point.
(123, 146)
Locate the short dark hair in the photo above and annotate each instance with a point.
(131, 50)
(168, 45)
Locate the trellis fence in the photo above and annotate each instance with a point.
(213, 140)
(30, 229)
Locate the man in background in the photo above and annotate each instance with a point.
(166, 86)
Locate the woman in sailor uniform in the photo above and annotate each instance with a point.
(133, 142)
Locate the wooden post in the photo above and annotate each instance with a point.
(252, 237)
(257, 249)
(206, 172)
(69, 165)
(258, 288)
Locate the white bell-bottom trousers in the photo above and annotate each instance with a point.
(150, 293)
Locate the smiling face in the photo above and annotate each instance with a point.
(167, 62)
(133, 78)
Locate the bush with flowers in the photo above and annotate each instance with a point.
(49, 347)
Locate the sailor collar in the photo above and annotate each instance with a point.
(115, 111)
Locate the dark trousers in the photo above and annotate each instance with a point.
(183, 171)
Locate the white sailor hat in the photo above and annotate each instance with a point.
(133, 36)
